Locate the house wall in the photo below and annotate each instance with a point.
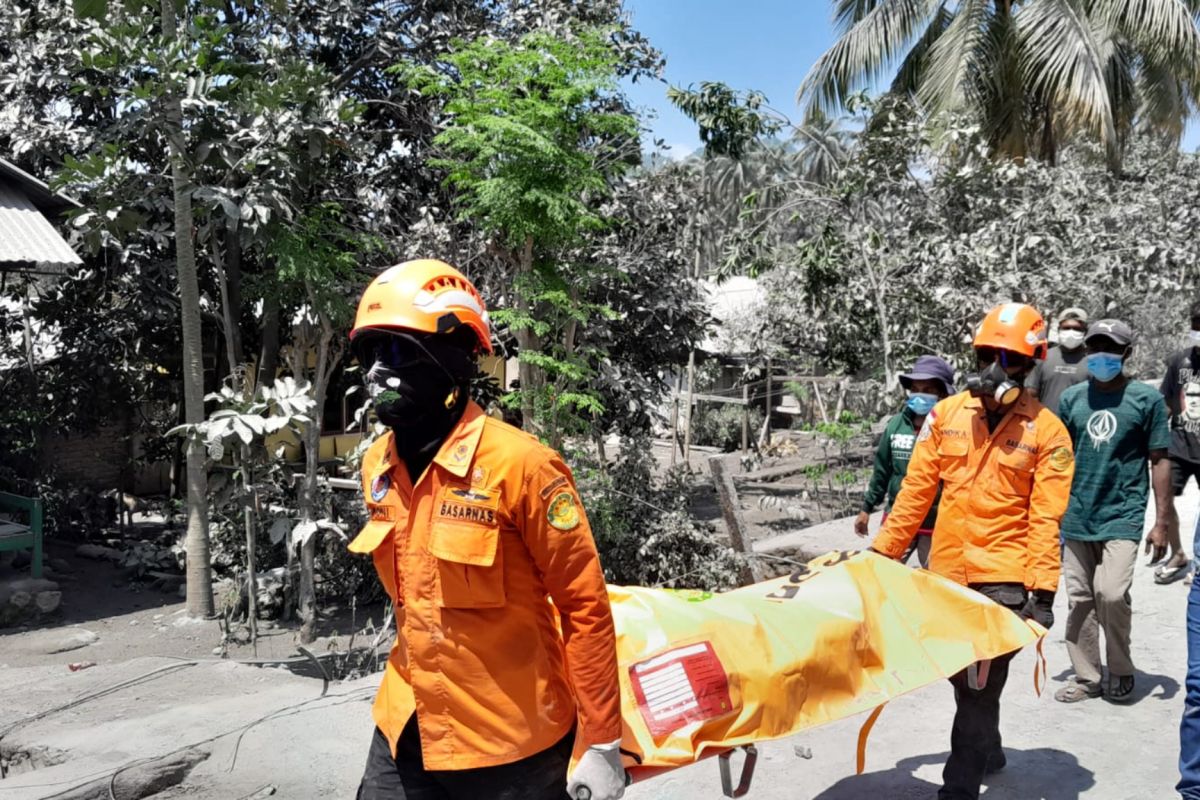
(97, 460)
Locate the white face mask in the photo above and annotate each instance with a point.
(1191, 339)
(1070, 339)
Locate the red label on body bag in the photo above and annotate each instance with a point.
(687, 684)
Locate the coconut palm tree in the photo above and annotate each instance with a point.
(821, 146)
(1033, 72)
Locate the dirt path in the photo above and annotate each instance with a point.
(130, 622)
(308, 746)
(1094, 750)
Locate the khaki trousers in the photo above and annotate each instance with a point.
(1098, 576)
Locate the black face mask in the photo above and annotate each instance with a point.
(418, 385)
(417, 396)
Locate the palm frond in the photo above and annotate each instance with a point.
(863, 52)
(999, 88)
(1119, 66)
(847, 13)
(1164, 102)
(908, 76)
(1163, 29)
(949, 67)
(821, 148)
(1065, 69)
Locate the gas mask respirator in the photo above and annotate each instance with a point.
(994, 381)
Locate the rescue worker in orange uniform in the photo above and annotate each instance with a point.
(475, 527)
(1005, 463)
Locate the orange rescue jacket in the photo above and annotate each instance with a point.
(1004, 493)
(471, 556)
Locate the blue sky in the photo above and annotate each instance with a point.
(766, 45)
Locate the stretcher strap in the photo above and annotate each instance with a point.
(863, 733)
(1040, 670)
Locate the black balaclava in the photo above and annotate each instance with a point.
(419, 385)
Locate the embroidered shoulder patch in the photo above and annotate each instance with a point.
(927, 426)
(1061, 458)
(380, 486)
(563, 513)
(550, 487)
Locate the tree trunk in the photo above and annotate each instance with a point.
(527, 342)
(691, 379)
(1049, 141)
(251, 577)
(878, 280)
(199, 567)
(327, 358)
(233, 278)
(554, 437)
(228, 317)
(268, 361)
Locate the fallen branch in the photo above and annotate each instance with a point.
(139, 780)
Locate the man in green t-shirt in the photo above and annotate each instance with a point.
(931, 380)
(1117, 426)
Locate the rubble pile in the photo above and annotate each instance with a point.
(159, 566)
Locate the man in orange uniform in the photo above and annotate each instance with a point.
(474, 528)
(1005, 463)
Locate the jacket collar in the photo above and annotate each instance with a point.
(1025, 406)
(455, 454)
(458, 451)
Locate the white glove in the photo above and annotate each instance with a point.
(600, 773)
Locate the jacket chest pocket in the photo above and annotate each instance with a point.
(1014, 478)
(470, 564)
(376, 539)
(952, 457)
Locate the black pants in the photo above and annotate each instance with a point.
(1181, 472)
(542, 776)
(975, 738)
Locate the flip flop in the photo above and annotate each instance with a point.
(1165, 574)
(1120, 689)
(1074, 691)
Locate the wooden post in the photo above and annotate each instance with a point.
(674, 424)
(745, 418)
(820, 403)
(767, 422)
(691, 379)
(691, 406)
(732, 513)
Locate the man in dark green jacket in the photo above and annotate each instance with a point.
(930, 380)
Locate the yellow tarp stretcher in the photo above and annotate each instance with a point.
(704, 673)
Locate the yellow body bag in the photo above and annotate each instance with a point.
(703, 673)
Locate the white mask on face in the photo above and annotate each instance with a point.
(1191, 339)
(1070, 339)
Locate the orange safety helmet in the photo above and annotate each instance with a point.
(1015, 327)
(424, 295)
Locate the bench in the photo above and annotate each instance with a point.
(15, 536)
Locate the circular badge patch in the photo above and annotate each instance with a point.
(379, 487)
(1061, 458)
(562, 512)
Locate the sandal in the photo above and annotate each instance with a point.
(1075, 691)
(1165, 573)
(1120, 688)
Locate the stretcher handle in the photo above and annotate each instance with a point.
(584, 793)
(977, 674)
(743, 787)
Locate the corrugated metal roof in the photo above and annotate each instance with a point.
(27, 236)
(44, 199)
